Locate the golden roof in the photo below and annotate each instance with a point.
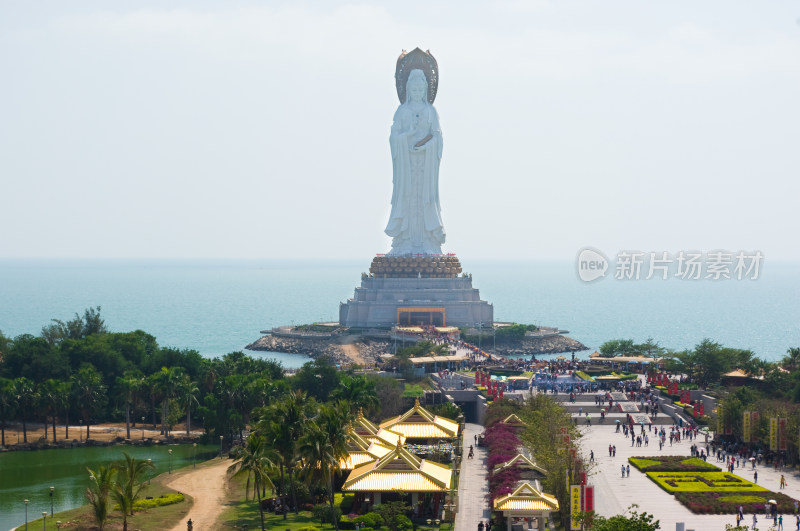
(399, 470)
(363, 425)
(513, 419)
(526, 499)
(523, 463)
(419, 423)
(386, 437)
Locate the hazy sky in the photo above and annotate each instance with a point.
(260, 129)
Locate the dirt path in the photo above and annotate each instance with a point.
(206, 486)
(351, 351)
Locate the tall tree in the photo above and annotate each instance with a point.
(254, 460)
(284, 423)
(168, 379)
(323, 447)
(187, 395)
(26, 398)
(90, 393)
(358, 392)
(129, 383)
(49, 398)
(64, 403)
(8, 405)
(101, 483)
(129, 483)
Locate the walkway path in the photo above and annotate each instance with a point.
(473, 487)
(614, 494)
(206, 485)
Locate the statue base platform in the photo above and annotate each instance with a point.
(413, 291)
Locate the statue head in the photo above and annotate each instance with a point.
(417, 86)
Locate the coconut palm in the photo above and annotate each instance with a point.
(358, 391)
(168, 379)
(187, 394)
(89, 393)
(101, 483)
(64, 402)
(129, 383)
(254, 460)
(323, 447)
(8, 405)
(129, 483)
(792, 359)
(283, 423)
(48, 400)
(26, 398)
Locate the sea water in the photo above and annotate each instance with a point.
(218, 307)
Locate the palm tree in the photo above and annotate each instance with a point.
(89, 392)
(792, 359)
(8, 405)
(48, 399)
(129, 484)
(323, 447)
(168, 379)
(64, 401)
(358, 391)
(129, 383)
(26, 398)
(187, 393)
(283, 424)
(101, 483)
(254, 460)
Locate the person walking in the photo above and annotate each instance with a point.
(755, 521)
(780, 523)
(591, 456)
(783, 482)
(755, 476)
(622, 467)
(628, 470)
(480, 525)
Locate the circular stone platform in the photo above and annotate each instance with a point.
(414, 266)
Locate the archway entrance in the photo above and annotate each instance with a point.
(420, 316)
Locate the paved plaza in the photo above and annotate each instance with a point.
(614, 494)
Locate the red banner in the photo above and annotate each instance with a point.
(588, 504)
(782, 434)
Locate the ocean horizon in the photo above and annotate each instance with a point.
(219, 306)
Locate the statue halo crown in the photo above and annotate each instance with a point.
(416, 59)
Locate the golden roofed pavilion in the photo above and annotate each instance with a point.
(526, 503)
(420, 424)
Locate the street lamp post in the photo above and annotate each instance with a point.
(150, 464)
(170, 460)
(142, 428)
(52, 490)
(44, 520)
(220, 446)
(194, 455)
(26, 515)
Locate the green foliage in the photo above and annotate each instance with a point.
(326, 514)
(161, 501)
(371, 519)
(633, 522)
(672, 463)
(626, 347)
(673, 482)
(318, 378)
(393, 514)
(347, 503)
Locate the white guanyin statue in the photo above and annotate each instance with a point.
(415, 223)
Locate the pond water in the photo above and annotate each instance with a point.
(29, 475)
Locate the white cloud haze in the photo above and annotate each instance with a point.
(252, 130)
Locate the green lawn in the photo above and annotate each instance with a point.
(674, 482)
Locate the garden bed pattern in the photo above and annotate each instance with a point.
(704, 489)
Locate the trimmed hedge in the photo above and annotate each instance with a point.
(672, 463)
(151, 503)
(725, 503)
(694, 482)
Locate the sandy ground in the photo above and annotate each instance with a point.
(100, 432)
(351, 351)
(207, 487)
